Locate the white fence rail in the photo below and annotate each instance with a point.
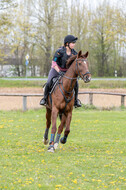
(25, 96)
(105, 93)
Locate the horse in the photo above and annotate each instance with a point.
(61, 100)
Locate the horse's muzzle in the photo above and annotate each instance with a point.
(87, 77)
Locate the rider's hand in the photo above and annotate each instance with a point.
(61, 73)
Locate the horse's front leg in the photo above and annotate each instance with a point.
(60, 129)
(53, 131)
(67, 129)
(48, 123)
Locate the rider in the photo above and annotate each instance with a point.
(59, 66)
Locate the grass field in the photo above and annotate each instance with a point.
(39, 83)
(94, 156)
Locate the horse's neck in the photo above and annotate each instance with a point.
(70, 79)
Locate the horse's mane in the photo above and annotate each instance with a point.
(70, 61)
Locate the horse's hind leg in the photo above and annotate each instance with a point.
(48, 123)
(60, 129)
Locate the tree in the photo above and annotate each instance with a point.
(78, 24)
(6, 4)
(21, 36)
(121, 38)
(38, 27)
(103, 38)
(5, 25)
(46, 25)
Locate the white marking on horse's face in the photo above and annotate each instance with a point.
(84, 62)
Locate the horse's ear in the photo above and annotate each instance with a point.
(86, 54)
(79, 54)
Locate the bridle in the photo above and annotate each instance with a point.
(74, 78)
(76, 70)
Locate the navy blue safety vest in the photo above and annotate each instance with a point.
(60, 56)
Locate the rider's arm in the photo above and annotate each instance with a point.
(56, 59)
(55, 66)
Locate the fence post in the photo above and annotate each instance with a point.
(122, 100)
(24, 103)
(91, 98)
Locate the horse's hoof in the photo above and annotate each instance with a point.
(56, 145)
(51, 149)
(45, 141)
(62, 140)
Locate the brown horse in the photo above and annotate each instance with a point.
(63, 99)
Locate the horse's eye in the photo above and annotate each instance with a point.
(79, 63)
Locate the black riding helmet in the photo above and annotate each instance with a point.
(69, 39)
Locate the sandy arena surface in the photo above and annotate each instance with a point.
(16, 103)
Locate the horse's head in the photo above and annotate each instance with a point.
(82, 67)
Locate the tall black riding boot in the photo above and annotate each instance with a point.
(77, 102)
(43, 101)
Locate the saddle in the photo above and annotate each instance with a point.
(53, 83)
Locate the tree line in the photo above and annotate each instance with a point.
(38, 27)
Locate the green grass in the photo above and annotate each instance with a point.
(93, 84)
(94, 156)
(106, 84)
(20, 83)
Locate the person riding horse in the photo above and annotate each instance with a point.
(59, 67)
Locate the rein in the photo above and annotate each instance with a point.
(67, 100)
(73, 78)
(60, 82)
